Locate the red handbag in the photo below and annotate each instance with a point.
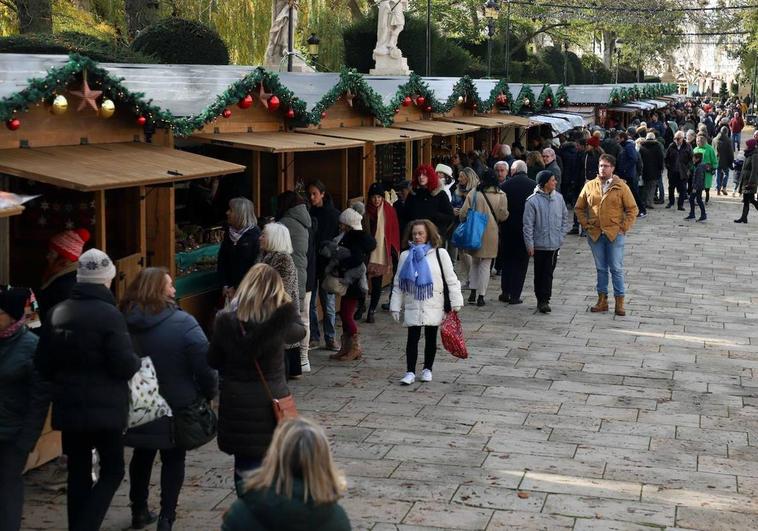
(451, 330)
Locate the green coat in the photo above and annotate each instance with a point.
(709, 157)
(267, 511)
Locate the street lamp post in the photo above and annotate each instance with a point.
(313, 46)
(618, 58)
(290, 35)
(507, 39)
(490, 13)
(565, 62)
(428, 37)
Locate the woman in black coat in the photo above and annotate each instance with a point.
(178, 349)
(85, 351)
(428, 200)
(265, 319)
(240, 248)
(23, 403)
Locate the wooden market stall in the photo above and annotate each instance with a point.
(449, 137)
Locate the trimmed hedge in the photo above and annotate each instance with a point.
(68, 42)
(179, 41)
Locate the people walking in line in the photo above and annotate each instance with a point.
(248, 345)
(467, 180)
(429, 201)
(418, 290)
(607, 211)
(240, 248)
(651, 153)
(298, 485)
(549, 159)
(749, 180)
(546, 222)
(709, 164)
(381, 223)
(515, 258)
(678, 159)
(59, 278)
(86, 353)
(724, 155)
(490, 200)
(276, 245)
(293, 214)
(178, 349)
(698, 183)
(326, 221)
(24, 397)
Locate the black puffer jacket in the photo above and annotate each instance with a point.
(86, 352)
(434, 206)
(326, 220)
(652, 155)
(234, 260)
(24, 397)
(246, 417)
(56, 289)
(178, 349)
(360, 245)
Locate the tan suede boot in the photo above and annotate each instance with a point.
(619, 308)
(602, 303)
(355, 351)
(344, 347)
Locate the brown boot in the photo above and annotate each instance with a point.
(344, 348)
(602, 303)
(355, 351)
(619, 308)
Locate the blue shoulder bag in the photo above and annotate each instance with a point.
(469, 234)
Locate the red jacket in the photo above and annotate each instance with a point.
(736, 124)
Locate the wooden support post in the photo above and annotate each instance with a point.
(408, 160)
(286, 173)
(5, 254)
(100, 228)
(343, 178)
(254, 173)
(142, 237)
(369, 166)
(426, 151)
(160, 210)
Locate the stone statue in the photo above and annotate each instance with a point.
(278, 37)
(388, 57)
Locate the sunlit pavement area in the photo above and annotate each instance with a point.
(569, 420)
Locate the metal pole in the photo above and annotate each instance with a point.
(428, 37)
(290, 36)
(594, 59)
(565, 63)
(489, 55)
(618, 60)
(508, 41)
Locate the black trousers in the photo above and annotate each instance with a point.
(12, 461)
(88, 503)
(697, 196)
(172, 478)
(292, 365)
(430, 346)
(544, 265)
(678, 185)
(376, 293)
(515, 265)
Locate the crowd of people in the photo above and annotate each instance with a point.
(284, 279)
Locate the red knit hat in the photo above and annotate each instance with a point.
(593, 141)
(69, 243)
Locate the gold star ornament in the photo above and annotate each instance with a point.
(87, 95)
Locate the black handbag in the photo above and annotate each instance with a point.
(195, 425)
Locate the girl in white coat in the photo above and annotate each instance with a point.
(418, 288)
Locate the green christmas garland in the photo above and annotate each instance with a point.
(562, 96)
(546, 93)
(501, 88)
(520, 104)
(415, 87)
(465, 89)
(364, 95)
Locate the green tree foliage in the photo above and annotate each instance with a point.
(448, 59)
(66, 42)
(179, 41)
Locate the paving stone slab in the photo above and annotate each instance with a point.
(592, 507)
(554, 483)
(443, 515)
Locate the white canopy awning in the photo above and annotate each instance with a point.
(558, 124)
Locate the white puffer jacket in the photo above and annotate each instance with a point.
(429, 312)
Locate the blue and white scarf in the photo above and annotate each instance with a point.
(415, 276)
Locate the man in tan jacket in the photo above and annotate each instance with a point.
(606, 210)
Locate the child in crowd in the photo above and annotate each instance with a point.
(698, 183)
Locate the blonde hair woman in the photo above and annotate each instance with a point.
(239, 250)
(297, 487)
(255, 332)
(178, 348)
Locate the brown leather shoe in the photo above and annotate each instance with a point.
(602, 303)
(345, 342)
(619, 308)
(355, 351)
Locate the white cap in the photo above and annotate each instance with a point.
(444, 168)
(351, 218)
(95, 267)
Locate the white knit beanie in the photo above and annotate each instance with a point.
(95, 267)
(351, 218)
(444, 168)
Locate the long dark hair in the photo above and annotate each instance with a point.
(287, 200)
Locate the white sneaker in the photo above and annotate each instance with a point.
(305, 367)
(408, 379)
(426, 375)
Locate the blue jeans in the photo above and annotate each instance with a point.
(329, 310)
(660, 189)
(722, 178)
(737, 141)
(609, 255)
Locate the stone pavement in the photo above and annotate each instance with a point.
(564, 421)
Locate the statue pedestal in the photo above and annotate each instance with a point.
(386, 65)
(298, 65)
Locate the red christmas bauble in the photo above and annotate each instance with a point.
(290, 113)
(420, 101)
(428, 108)
(13, 124)
(549, 102)
(407, 101)
(473, 106)
(273, 103)
(141, 120)
(246, 102)
(323, 115)
(397, 110)
(226, 113)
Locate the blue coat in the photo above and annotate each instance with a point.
(546, 221)
(178, 349)
(626, 163)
